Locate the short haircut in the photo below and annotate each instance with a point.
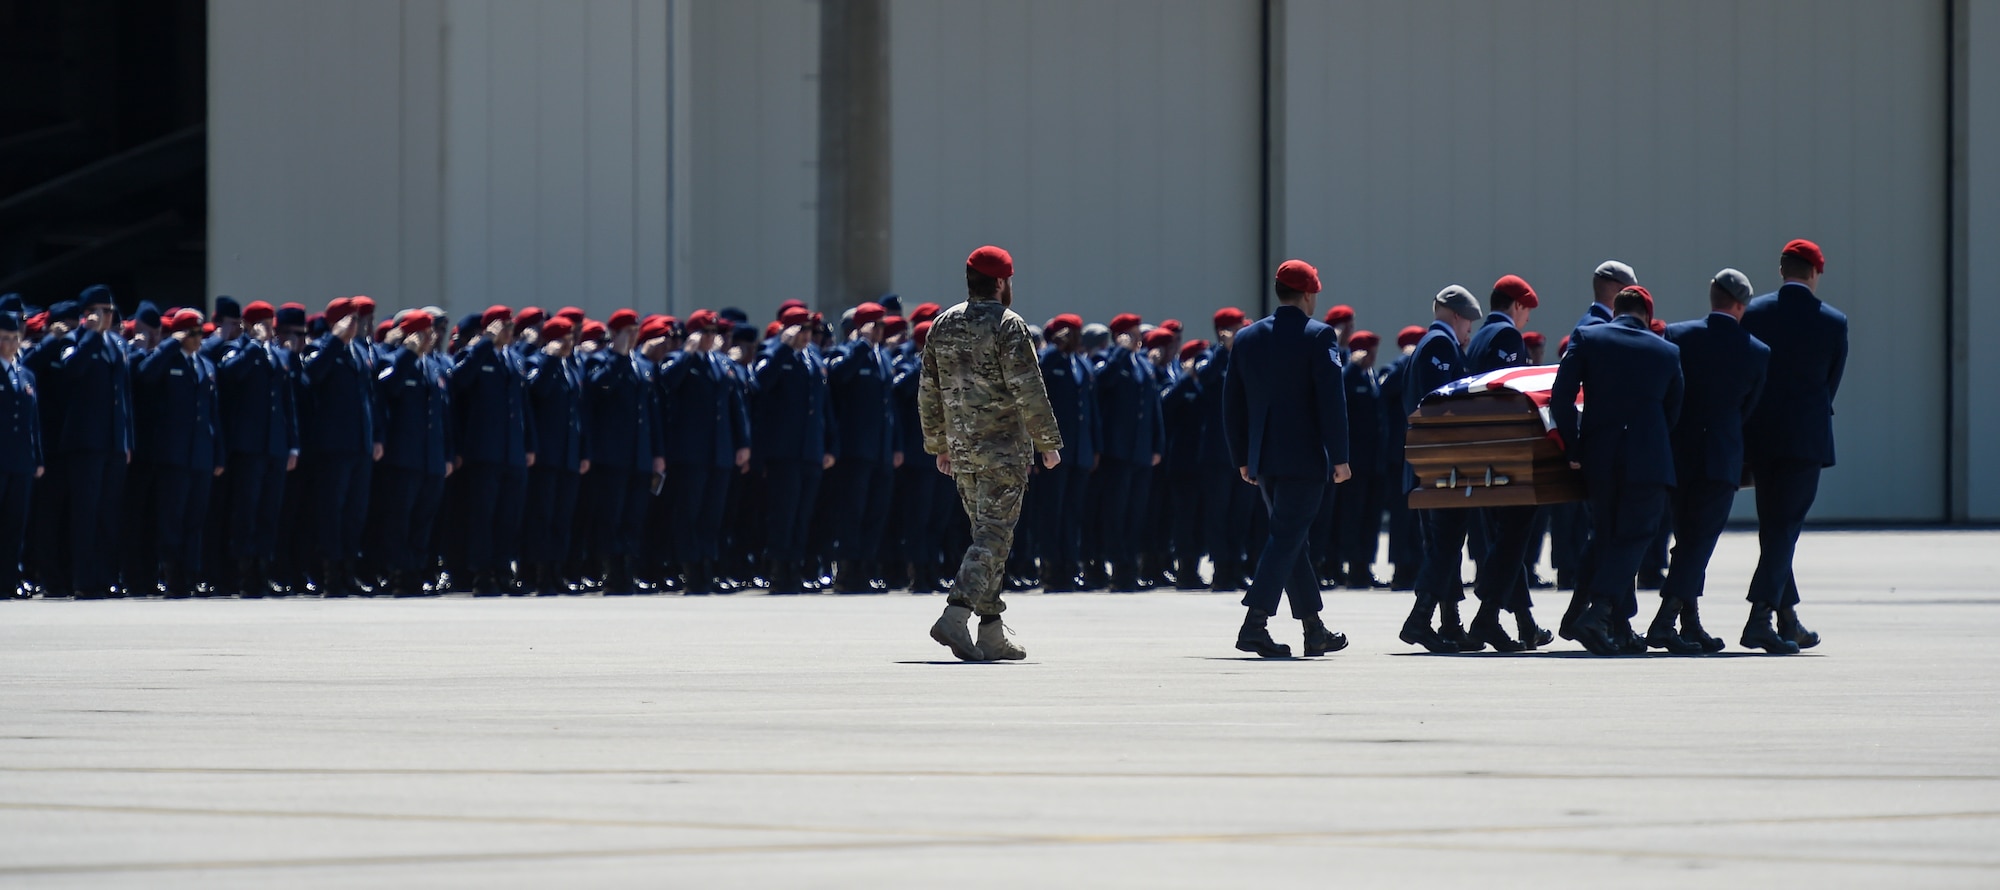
(980, 284)
(1792, 266)
(1500, 300)
(1719, 297)
(1286, 294)
(1630, 302)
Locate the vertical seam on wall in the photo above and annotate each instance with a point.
(1264, 204)
(1950, 478)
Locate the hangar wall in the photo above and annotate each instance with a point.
(1112, 146)
(1433, 142)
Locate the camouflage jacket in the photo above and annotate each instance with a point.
(981, 394)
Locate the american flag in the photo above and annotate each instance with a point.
(1533, 382)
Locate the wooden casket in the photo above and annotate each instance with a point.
(1486, 441)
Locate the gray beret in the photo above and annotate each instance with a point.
(1616, 271)
(1734, 283)
(1460, 301)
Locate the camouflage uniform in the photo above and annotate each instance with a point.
(981, 396)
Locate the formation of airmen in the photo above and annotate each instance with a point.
(273, 451)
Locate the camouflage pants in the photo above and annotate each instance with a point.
(992, 500)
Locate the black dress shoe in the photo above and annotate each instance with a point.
(1403, 582)
(1422, 635)
(1320, 640)
(1537, 582)
(1487, 632)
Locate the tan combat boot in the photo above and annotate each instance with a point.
(993, 641)
(950, 630)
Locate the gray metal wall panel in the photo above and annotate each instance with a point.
(1442, 141)
(463, 152)
(304, 149)
(1982, 167)
(756, 128)
(1111, 145)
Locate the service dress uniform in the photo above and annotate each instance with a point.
(181, 449)
(260, 429)
(495, 437)
(556, 399)
(20, 460)
(414, 401)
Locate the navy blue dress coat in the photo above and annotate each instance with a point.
(1723, 370)
(1283, 405)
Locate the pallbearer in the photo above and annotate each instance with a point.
(1789, 438)
(1633, 380)
(1502, 579)
(1439, 360)
(1724, 368)
(1285, 416)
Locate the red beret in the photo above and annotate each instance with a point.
(1339, 314)
(1230, 317)
(921, 333)
(529, 316)
(868, 313)
(1659, 327)
(789, 305)
(411, 323)
(1534, 338)
(1409, 336)
(895, 324)
(382, 327)
(794, 315)
(258, 310)
(495, 313)
(622, 319)
(1193, 349)
(572, 313)
(1648, 295)
(1299, 275)
(1364, 340)
(35, 324)
(1172, 324)
(701, 320)
(208, 327)
(184, 320)
(925, 312)
(655, 328)
(1808, 251)
(130, 326)
(592, 330)
(338, 309)
(1125, 322)
(992, 262)
(1564, 345)
(1158, 338)
(1515, 287)
(557, 328)
(773, 329)
(362, 305)
(1064, 322)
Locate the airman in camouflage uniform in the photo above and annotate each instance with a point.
(985, 414)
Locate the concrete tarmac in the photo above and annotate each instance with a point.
(756, 741)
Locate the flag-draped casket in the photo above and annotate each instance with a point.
(1488, 441)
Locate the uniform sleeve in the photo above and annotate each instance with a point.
(1024, 380)
(1562, 397)
(1330, 396)
(1675, 392)
(930, 406)
(1235, 413)
(1838, 367)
